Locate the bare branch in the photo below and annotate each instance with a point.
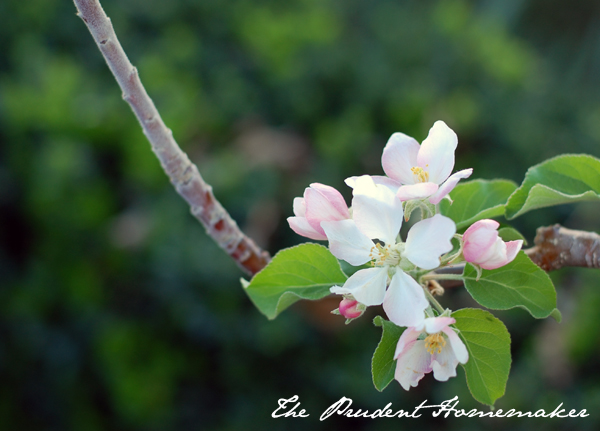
(557, 247)
(183, 174)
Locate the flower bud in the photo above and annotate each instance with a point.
(482, 245)
(351, 308)
(320, 203)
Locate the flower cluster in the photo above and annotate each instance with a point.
(396, 273)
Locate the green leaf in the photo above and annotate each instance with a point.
(383, 365)
(306, 271)
(476, 200)
(488, 344)
(521, 283)
(564, 179)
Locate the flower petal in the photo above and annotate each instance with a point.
(348, 243)
(299, 207)
(367, 286)
(405, 342)
(444, 364)
(436, 155)
(324, 203)
(458, 347)
(301, 227)
(412, 365)
(495, 257)
(333, 197)
(478, 240)
(428, 239)
(399, 156)
(380, 180)
(512, 249)
(449, 185)
(433, 325)
(376, 210)
(405, 301)
(416, 191)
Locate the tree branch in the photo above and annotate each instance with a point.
(556, 247)
(184, 175)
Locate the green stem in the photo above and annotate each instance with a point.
(434, 276)
(434, 301)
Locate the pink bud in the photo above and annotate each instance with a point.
(351, 308)
(320, 203)
(482, 245)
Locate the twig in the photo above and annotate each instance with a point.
(556, 247)
(183, 174)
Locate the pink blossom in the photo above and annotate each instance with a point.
(482, 245)
(351, 308)
(320, 203)
(431, 346)
(423, 171)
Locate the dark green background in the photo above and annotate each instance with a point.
(117, 312)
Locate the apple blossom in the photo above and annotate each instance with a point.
(430, 346)
(377, 214)
(320, 203)
(350, 308)
(482, 245)
(423, 171)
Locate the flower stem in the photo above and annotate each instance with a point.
(434, 276)
(432, 300)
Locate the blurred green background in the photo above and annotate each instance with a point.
(117, 312)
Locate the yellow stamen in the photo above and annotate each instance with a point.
(420, 173)
(387, 255)
(435, 342)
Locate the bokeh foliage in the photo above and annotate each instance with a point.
(116, 311)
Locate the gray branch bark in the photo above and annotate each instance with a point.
(184, 175)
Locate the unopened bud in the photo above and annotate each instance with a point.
(351, 308)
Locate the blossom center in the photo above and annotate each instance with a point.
(434, 343)
(384, 256)
(420, 174)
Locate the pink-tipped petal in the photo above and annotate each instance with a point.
(444, 364)
(405, 301)
(348, 243)
(479, 239)
(449, 185)
(428, 239)
(436, 154)
(301, 227)
(409, 336)
(487, 223)
(324, 203)
(399, 156)
(299, 207)
(333, 197)
(512, 249)
(416, 191)
(413, 365)
(495, 256)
